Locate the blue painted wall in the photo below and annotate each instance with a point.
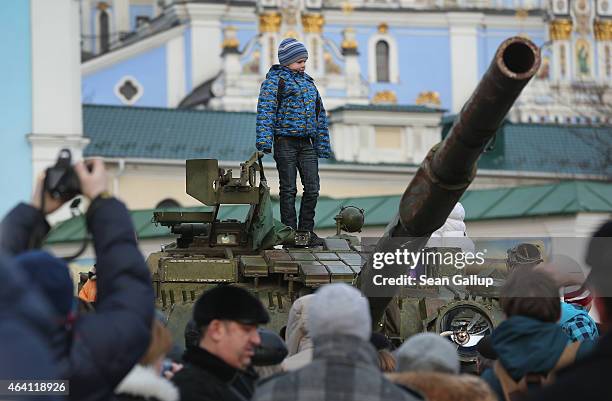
(15, 103)
(423, 58)
(139, 11)
(148, 68)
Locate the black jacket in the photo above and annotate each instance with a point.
(206, 377)
(588, 379)
(101, 347)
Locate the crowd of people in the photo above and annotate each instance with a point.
(548, 348)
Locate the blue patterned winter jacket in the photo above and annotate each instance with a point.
(296, 115)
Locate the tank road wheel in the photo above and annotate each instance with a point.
(465, 323)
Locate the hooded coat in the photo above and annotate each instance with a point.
(587, 379)
(525, 345)
(296, 111)
(453, 232)
(343, 368)
(436, 386)
(299, 343)
(100, 348)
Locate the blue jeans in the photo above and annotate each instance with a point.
(294, 155)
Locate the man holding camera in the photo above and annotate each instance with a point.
(98, 349)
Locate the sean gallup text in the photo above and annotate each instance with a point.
(406, 280)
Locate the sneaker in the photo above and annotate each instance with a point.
(315, 240)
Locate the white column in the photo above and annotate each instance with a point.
(157, 8)
(121, 13)
(316, 64)
(56, 81)
(86, 28)
(604, 50)
(205, 50)
(562, 55)
(269, 51)
(175, 71)
(206, 39)
(232, 68)
(353, 75)
(464, 55)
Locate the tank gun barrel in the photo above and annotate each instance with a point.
(450, 166)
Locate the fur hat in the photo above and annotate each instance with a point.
(290, 51)
(339, 309)
(227, 302)
(427, 352)
(52, 276)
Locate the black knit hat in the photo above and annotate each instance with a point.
(380, 341)
(227, 302)
(271, 351)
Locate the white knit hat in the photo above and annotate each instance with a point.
(339, 309)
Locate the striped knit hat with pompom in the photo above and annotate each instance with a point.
(290, 51)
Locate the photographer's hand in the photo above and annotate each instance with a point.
(51, 204)
(93, 182)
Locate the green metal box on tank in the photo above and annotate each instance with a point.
(271, 260)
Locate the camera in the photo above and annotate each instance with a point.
(61, 181)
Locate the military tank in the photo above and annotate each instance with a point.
(278, 266)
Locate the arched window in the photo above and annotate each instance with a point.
(382, 61)
(168, 203)
(104, 31)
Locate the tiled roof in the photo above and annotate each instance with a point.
(563, 198)
(540, 200)
(555, 148)
(157, 133)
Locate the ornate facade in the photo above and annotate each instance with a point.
(575, 82)
(214, 54)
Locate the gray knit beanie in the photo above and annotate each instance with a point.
(290, 51)
(341, 310)
(427, 352)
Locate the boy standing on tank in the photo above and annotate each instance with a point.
(291, 116)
